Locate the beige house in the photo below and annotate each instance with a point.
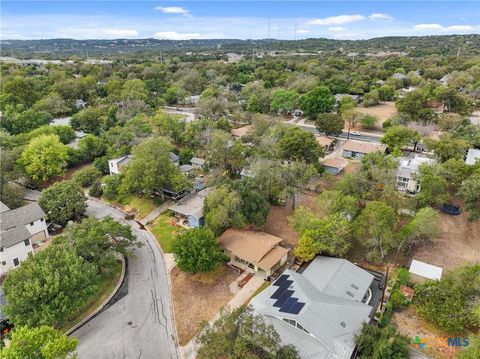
(355, 150)
(242, 131)
(253, 251)
(325, 142)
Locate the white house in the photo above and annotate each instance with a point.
(115, 165)
(21, 228)
(407, 172)
(473, 155)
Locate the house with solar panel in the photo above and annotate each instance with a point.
(321, 310)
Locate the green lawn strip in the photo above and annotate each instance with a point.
(258, 291)
(143, 205)
(106, 285)
(164, 232)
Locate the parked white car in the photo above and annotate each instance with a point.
(355, 133)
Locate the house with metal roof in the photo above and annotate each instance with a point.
(254, 251)
(115, 165)
(407, 173)
(189, 210)
(320, 310)
(197, 162)
(20, 229)
(355, 150)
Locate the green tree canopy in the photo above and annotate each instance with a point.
(63, 201)
(150, 169)
(284, 101)
(470, 192)
(40, 343)
(398, 137)
(424, 226)
(97, 241)
(379, 343)
(255, 207)
(223, 209)
(316, 101)
(415, 106)
(197, 250)
(447, 147)
(300, 145)
(451, 303)
(375, 226)
(48, 287)
(433, 185)
(240, 334)
(44, 157)
(330, 123)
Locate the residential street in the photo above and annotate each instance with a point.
(140, 324)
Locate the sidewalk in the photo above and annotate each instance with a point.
(156, 212)
(188, 351)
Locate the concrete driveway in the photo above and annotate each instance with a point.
(139, 324)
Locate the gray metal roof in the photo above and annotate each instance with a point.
(331, 317)
(173, 157)
(186, 168)
(197, 161)
(3, 207)
(13, 222)
(335, 276)
(191, 204)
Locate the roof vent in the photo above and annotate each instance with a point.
(350, 294)
(354, 286)
(343, 324)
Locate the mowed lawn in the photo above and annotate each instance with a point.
(143, 205)
(164, 231)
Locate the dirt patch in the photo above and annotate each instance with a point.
(198, 297)
(409, 323)
(382, 112)
(458, 244)
(67, 176)
(277, 221)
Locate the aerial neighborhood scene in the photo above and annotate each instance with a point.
(240, 179)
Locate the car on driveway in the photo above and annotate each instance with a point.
(355, 133)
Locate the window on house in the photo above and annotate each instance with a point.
(31, 223)
(27, 242)
(1, 249)
(41, 219)
(4, 263)
(16, 262)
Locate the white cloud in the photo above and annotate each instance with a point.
(380, 16)
(302, 31)
(121, 32)
(173, 35)
(428, 27)
(337, 29)
(459, 28)
(441, 28)
(336, 20)
(172, 10)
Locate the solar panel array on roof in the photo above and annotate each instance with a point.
(283, 295)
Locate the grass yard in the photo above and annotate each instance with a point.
(143, 205)
(164, 231)
(382, 112)
(198, 297)
(106, 285)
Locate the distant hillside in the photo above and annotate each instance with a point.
(447, 45)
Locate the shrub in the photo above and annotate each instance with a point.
(101, 164)
(86, 176)
(96, 190)
(368, 121)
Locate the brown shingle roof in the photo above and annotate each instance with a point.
(364, 147)
(335, 162)
(254, 247)
(242, 131)
(324, 140)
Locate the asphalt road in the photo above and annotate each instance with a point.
(363, 137)
(139, 325)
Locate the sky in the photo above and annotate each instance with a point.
(181, 20)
